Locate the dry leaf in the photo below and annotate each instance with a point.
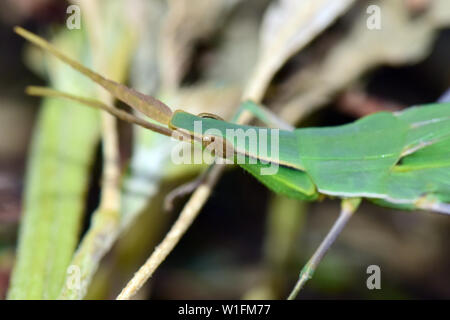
(402, 39)
(187, 23)
(288, 26)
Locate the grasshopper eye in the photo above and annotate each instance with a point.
(208, 139)
(210, 116)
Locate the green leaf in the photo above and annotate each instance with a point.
(63, 146)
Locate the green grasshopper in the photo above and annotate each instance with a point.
(398, 160)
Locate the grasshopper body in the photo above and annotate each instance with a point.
(399, 160)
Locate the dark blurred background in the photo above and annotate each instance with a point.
(247, 242)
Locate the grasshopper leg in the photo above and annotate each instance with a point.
(348, 208)
(262, 113)
(184, 189)
(445, 97)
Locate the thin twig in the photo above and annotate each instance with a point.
(184, 221)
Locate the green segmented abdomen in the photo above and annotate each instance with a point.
(353, 160)
(399, 158)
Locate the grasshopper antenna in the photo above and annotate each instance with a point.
(48, 92)
(148, 105)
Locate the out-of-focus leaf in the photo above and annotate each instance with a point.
(440, 13)
(187, 23)
(402, 39)
(58, 170)
(287, 27)
(234, 58)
